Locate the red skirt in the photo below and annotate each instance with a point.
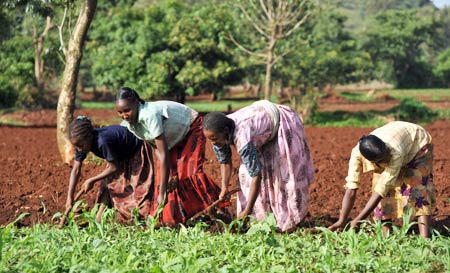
(194, 190)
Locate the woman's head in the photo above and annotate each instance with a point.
(373, 149)
(127, 104)
(217, 127)
(81, 133)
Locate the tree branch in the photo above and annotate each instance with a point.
(241, 47)
(299, 23)
(253, 22)
(60, 29)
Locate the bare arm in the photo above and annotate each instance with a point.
(73, 181)
(110, 169)
(370, 206)
(347, 203)
(164, 168)
(225, 171)
(255, 187)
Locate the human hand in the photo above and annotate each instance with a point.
(338, 226)
(88, 185)
(243, 214)
(69, 203)
(354, 224)
(224, 194)
(160, 200)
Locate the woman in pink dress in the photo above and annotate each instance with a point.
(276, 167)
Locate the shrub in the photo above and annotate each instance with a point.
(8, 94)
(413, 110)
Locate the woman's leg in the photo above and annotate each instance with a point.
(386, 227)
(100, 211)
(103, 200)
(424, 225)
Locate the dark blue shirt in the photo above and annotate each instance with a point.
(112, 143)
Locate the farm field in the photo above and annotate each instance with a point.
(34, 181)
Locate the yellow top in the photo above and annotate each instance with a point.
(404, 140)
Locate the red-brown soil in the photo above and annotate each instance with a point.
(33, 179)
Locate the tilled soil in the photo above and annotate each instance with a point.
(34, 180)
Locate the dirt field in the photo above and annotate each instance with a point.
(33, 179)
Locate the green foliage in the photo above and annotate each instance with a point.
(16, 64)
(219, 106)
(327, 54)
(398, 39)
(376, 6)
(109, 247)
(6, 21)
(41, 8)
(173, 48)
(413, 110)
(18, 84)
(163, 50)
(308, 107)
(442, 69)
(97, 105)
(359, 12)
(409, 109)
(348, 119)
(417, 93)
(357, 96)
(445, 31)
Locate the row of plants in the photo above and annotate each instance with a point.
(110, 247)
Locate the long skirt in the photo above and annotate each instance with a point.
(287, 171)
(129, 191)
(192, 190)
(415, 190)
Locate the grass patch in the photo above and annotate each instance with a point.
(200, 106)
(353, 96)
(417, 93)
(348, 119)
(444, 113)
(218, 106)
(9, 121)
(97, 105)
(12, 122)
(431, 94)
(409, 109)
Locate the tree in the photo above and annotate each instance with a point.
(442, 70)
(16, 64)
(38, 40)
(445, 14)
(399, 39)
(129, 47)
(377, 6)
(205, 63)
(272, 21)
(165, 50)
(329, 55)
(66, 101)
(37, 10)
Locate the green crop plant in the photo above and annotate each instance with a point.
(84, 245)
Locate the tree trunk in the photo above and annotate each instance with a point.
(269, 66)
(66, 101)
(38, 48)
(268, 79)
